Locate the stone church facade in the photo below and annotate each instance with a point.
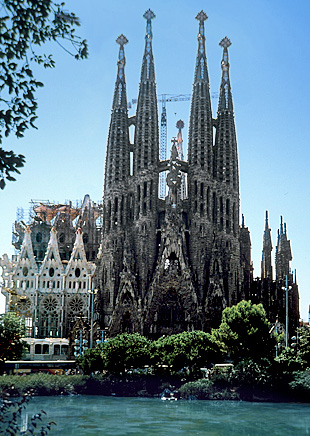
(159, 266)
(173, 265)
(48, 282)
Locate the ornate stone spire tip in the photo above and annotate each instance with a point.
(149, 15)
(201, 16)
(225, 43)
(180, 124)
(122, 40)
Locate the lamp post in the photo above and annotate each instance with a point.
(286, 288)
(92, 292)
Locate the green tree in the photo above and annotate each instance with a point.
(91, 360)
(301, 344)
(244, 332)
(297, 356)
(191, 350)
(125, 351)
(24, 27)
(12, 329)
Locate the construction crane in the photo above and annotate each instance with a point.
(164, 99)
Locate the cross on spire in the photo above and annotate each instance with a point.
(201, 16)
(122, 40)
(225, 43)
(149, 15)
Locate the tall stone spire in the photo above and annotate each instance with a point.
(146, 132)
(144, 182)
(283, 254)
(267, 249)
(200, 126)
(118, 154)
(226, 153)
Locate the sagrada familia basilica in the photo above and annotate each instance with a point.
(139, 262)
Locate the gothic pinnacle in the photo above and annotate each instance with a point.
(149, 16)
(266, 220)
(201, 16)
(225, 43)
(225, 99)
(201, 62)
(148, 62)
(121, 40)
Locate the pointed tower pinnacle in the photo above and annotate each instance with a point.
(225, 101)
(226, 153)
(267, 249)
(146, 132)
(201, 63)
(117, 167)
(148, 61)
(200, 127)
(120, 86)
(283, 253)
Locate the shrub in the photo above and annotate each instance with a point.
(208, 390)
(300, 385)
(43, 384)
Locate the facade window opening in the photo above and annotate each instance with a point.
(39, 237)
(144, 189)
(201, 209)
(64, 349)
(195, 187)
(227, 207)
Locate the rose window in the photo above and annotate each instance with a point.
(23, 304)
(50, 303)
(76, 304)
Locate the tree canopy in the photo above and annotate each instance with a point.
(24, 27)
(244, 332)
(12, 329)
(191, 350)
(125, 351)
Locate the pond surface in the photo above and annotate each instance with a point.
(105, 416)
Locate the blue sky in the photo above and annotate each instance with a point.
(269, 60)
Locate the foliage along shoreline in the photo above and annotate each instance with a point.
(233, 387)
(132, 365)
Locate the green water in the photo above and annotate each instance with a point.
(105, 416)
